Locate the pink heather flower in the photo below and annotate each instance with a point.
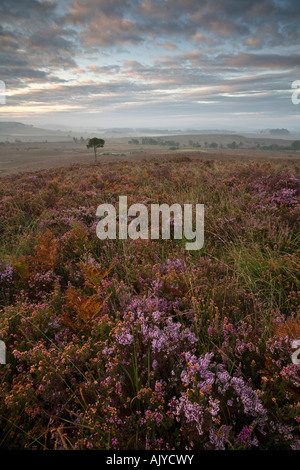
(209, 330)
(244, 435)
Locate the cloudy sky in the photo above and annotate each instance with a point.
(203, 64)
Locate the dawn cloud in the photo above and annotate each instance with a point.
(180, 56)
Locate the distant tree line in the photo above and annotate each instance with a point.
(153, 141)
(279, 131)
(294, 146)
(194, 145)
(82, 140)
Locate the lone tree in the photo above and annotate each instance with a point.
(95, 143)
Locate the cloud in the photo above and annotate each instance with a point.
(28, 10)
(34, 42)
(262, 61)
(165, 54)
(234, 22)
(168, 45)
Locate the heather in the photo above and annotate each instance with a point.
(141, 344)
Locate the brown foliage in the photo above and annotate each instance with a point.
(290, 328)
(85, 308)
(46, 252)
(93, 275)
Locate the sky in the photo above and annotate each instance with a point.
(171, 64)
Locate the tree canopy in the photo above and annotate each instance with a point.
(296, 145)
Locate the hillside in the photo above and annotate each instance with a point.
(11, 131)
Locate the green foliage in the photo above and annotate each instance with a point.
(296, 145)
(233, 145)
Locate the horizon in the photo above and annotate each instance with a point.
(282, 133)
(151, 64)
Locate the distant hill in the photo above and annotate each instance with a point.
(18, 129)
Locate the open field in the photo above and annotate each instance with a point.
(141, 344)
(32, 156)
